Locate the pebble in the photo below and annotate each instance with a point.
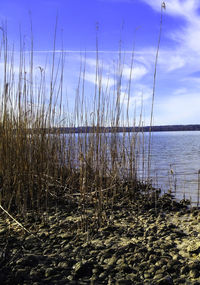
(127, 250)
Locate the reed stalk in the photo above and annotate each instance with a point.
(154, 86)
(39, 164)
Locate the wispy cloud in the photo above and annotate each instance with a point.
(188, 35)
(177, 66)
(170, 60)
(104, 81)
(140, 94)
(182, 108)
(136, 73)
(186, 8)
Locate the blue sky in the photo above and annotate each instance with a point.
(177, 95)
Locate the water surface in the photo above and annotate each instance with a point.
(174, 159)
(175, 162)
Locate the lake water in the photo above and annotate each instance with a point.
(175, 162)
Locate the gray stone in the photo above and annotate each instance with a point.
(194, 273)
(124, 282)
(158, 276)
(3, 230)
(49, 272)
(28, 260)
(21, 275)
(167, 280)
(184, 269)
(111, 261)
(82, 269)
(63, 265)
(36, 274)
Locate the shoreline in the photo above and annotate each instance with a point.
(114, 130)
(138, 243)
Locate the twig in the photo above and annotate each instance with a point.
(18, 223)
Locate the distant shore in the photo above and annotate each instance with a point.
(89, 129)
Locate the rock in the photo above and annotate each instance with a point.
(110, 261)
(103, 275)
(161, 262)
(176, 257)
(28, 260)
(151, 270)
(194, 265)
(126, 268)
(63, 265)
(36, 274)
(180, 280)
(173, 266)
(194, 273)
(3, 230)
(124, 282)
(158, 276)
(82, 269)
(147, 275)
(49, 272)
(134, 247)
(194, 247)
(65, 236)
(70, 278)
(167, 280)
(30, 242)
(97, 269)
(47, 251)
(43, 234)
(184, 269)
(21, 275)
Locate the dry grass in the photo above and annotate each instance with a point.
(39, 166)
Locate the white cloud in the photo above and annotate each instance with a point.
(138, 72)
(105, 81)
(178, 109)
(170, 60)
(141, 94)
(180, 91)
(186, 8)
(188, 36)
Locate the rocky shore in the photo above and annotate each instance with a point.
(137, 243)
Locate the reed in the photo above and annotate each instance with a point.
(163, 7)
(39, 164)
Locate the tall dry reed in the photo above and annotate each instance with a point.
(39, 163)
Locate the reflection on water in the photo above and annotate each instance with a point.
(175, 162)
(175, 158)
